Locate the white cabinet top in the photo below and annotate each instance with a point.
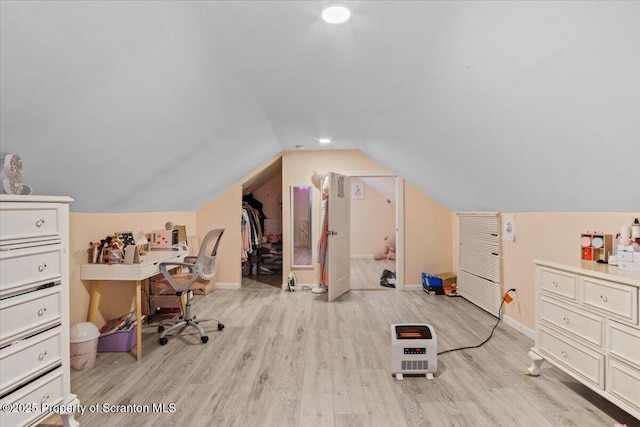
(594, 269)
(34, 198)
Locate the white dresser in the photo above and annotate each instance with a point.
(34, 310)
(587, 325)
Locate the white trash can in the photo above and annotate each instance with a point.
(84, 345)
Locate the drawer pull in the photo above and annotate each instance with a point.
(555, 283)
(563, 353)
(42, 311)
(42, 355)
(44, 398)
(40, 222)
(604, 298)
(566, 320)
(41, 267)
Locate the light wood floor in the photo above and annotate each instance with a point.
(365, 272)
(293, 359)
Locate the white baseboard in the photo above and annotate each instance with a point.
(227, 286)
(519, 327)
(362, 257)
(530, 333)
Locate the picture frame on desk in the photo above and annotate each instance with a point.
(126, 237)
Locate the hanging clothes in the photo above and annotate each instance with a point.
(257, 206)
(245, 228)
(323, 242)
(251, 231)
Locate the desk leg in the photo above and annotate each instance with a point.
(138, 319)
(94, 301)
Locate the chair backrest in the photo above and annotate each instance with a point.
(208, 253)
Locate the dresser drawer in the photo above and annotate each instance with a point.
(624, 342)
(615, 299)
(624, 382)
(47, 390)
(559, 283)
(625, 256)
(25, 269)
(585, 362)
(26, 359)
(29, 222)
(585, 325)
(29, 314)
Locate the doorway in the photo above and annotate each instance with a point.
(262, 226)
(376, 230)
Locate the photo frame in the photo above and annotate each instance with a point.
(357, 191)
(126, 237)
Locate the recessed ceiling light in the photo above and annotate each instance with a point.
(324, 141)
(336, 14)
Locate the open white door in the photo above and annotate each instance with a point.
(338, 248)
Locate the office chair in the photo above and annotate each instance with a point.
(202, 269)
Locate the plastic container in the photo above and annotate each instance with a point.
(84, 345)
(432, 284)
(123, 340)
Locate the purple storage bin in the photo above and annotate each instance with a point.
(117, 341)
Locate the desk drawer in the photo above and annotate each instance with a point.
(22, 269)
(585, 325)
(559, 283)
(47, 390)
(29, 314)
(615, 299)
(27, 223)
(25, 360)
(580, 359)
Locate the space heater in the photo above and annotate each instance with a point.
(414, 350)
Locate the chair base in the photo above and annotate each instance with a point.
(183, 323)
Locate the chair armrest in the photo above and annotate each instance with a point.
(189, 265)
(166, 266)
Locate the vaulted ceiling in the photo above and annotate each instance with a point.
(498, 106)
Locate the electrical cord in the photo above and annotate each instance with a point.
(490, 335)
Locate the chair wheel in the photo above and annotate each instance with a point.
(204, 339)
(160, 329)
(220, 326)
(163, 341)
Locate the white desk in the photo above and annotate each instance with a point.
(127, 272)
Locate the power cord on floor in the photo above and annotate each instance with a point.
(506, 297)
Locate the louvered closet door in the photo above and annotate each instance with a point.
(480, 260)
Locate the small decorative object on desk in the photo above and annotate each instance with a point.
(116, 256)
(94, 252)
